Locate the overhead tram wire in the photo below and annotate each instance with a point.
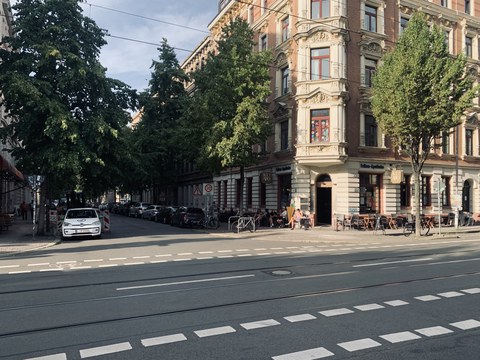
(142, 41)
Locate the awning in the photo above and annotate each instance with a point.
(7, 168)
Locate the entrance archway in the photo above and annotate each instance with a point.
(466, 196)
(323, 211)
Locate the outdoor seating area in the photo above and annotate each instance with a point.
(385, 222)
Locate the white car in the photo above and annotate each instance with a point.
(80, 222)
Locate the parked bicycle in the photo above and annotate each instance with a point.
(211, 222)
(409, 227)
(243, 223)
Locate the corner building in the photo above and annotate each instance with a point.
(327, 154)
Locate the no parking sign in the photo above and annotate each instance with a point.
(208, 189)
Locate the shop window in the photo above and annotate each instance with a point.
(320, 125)
(320, 9)
(370, 193)
(426, 191)
(320, 64)
(405, 192)
(284, 190)
(446, 192)
(370, 18)
(249, 192)
(263, 195)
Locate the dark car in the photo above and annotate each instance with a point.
(164, 215)
(188, 216)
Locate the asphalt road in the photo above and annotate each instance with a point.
(150, 291)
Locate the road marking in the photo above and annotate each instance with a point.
(183, 254)
(224, 251)
(188, 259)
(142, 257)
(369, 307)
(224, 256)
(39, 264)
(66, 262)
(205, 252)
(161, 340)
(46, 270)
(242, 250)
(215, 331)
(263, 249)
(158, 261)
(451, 294)
(427, 298)
(163, 255)
(103, 350)
(205, 258)
(108, 265)
(466, 325)
(9, 266)
(134, 263)
(400, 337)
(50, 357)
(396, 303)
(434, 331)
(117, 259)
(244, 255)
(186, 282)
(259, 324)
(336, 312)
(312, 354)
(80, 267)
(359, 344)
(392, 262)
(472, 291)
(260, 254)
(298, 318)
(93, 260)
(281, 252)
(19, 272)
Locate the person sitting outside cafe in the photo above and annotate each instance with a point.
(296, 219)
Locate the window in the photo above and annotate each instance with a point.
(403, 24)
(238, 187)
(219, 193)
(370, 185)
(249, 192)
(320, 64)
(446, 193)
(285, 30)
(444, 3)
(225, 193)
(320, 9)
(467, 6)
(445, 142)
(468, 46)
(426, 191)
(320, 125)
(263, 195)
(370, 18)
(284, 135)
(263, 42)
(285, 80)
(370, 67)
(405, 191)
(469, 142)
(371, 134)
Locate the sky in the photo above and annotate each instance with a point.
(182, 22)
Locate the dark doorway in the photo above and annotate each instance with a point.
(466, 196)
(323, 209)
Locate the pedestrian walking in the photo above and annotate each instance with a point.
(23, 210)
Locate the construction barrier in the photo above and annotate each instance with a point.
(106, 220)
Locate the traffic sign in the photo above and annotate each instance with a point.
(196, 190)
(208, 189)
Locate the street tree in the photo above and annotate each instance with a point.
(228, 113)
(66, 113)
(420, 92)
(161, 107)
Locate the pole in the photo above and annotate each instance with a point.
(456, 176)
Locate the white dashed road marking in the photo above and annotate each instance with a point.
(168, 339)
(427, 298)
(369, 307)
(392, 262)
(312, 354)
(396, 303)
(434, 331)
(359, 344)
(472, 291)
(400, 337)
(298, 318)
(103, 350)
(215, 331)
(51, 357)
(259, 324)
(451, 294)
(466, 325)
(336, 312)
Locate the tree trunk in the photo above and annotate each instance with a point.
(41, 211)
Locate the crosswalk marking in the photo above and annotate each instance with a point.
(298, 318)
(161, 340)
(369, 307)
(312, 354)
(427, 298)
(361, 344)
(259, 324)
(400, 337)
(434, 331)
(466, 324)
(336, 312)
(215, 331)
(103, 350)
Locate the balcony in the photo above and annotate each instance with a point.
(323, 154)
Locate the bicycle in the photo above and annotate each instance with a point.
(211, 222)
(243, 223)
(409, 228)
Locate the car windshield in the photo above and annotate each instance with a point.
(81, 213)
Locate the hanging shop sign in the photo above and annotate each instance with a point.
(396, 176)
(266, 177)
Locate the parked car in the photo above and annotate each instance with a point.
(82, 222)
(188, 216)
(136, 209)
(164, 215)
(150, 212)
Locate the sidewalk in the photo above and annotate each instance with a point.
(18, 238)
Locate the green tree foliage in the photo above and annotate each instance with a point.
(161, 104)
(419, 92)
(228, 113)
(67, 114)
